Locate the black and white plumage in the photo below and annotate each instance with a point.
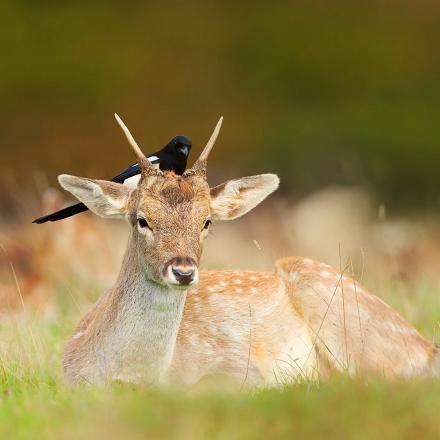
(172, 157)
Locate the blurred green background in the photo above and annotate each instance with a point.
(320, 92)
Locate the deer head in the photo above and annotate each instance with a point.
(170, 215)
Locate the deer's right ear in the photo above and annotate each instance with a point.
(104, 198)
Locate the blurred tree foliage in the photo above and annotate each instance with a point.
(320, 92)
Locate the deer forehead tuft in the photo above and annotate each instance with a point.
(177, 191)
(173, 189)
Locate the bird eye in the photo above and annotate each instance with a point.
(143, 223)
(207, 224)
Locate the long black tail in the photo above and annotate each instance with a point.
(63, 213)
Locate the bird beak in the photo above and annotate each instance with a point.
(184, 150)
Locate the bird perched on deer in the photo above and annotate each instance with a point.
(172, 157)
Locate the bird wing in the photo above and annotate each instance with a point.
(134, 169)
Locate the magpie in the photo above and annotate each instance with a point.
(172, 157)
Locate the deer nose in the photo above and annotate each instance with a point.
(184, 276)
(183, 270)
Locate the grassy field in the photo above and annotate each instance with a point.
(34, 402)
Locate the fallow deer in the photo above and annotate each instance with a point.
(164, 323)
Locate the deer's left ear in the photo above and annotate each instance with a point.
(236, 197)
(104, 198)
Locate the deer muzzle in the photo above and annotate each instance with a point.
(181, 271)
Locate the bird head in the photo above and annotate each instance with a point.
(179, 145)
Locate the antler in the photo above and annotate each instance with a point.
(199, 166)
(146, 167)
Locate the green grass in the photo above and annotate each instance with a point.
(35, 403)
(38, 406)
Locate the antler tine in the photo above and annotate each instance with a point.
(129, 136)
(211, 142)
(143, 161)
(200, 164)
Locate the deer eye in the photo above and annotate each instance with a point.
(143, 223)
(207, 224)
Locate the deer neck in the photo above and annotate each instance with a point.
(146, 321)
